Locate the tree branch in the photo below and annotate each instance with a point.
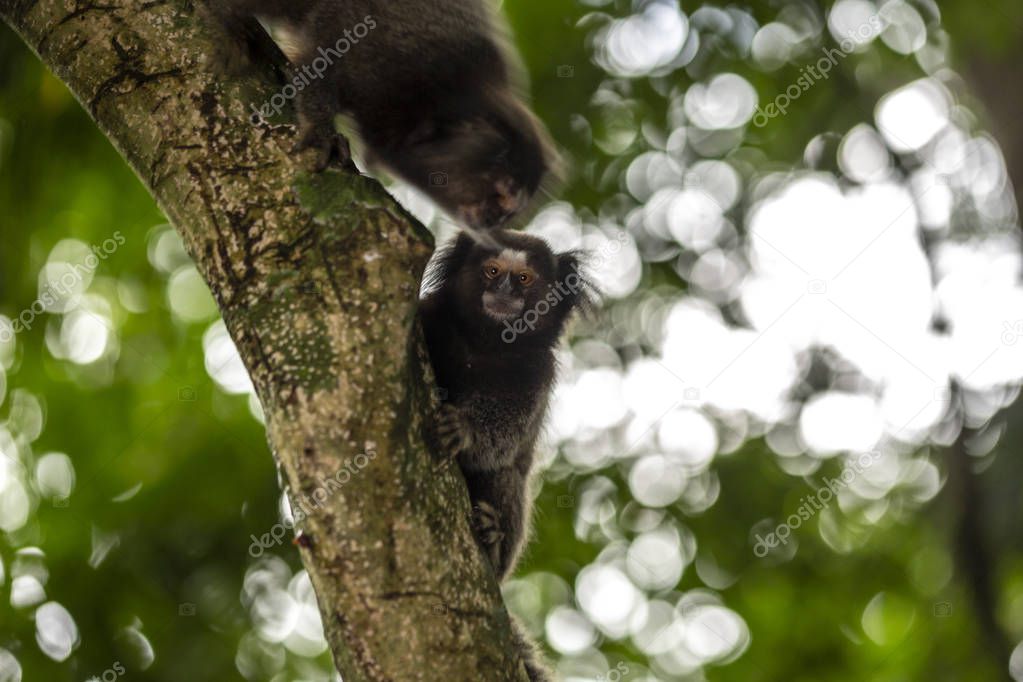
(317, 278)
(971, 549)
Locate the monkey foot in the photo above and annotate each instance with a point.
(330, 147)
(486, 523)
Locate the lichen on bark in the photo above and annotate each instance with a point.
(317, 278)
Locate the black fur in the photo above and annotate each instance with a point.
(429, 85)
(496, 377)
(531, 656)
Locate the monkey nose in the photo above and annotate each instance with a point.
(513, 202)
(475, 216)
(497, 213)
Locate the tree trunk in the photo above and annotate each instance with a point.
(991, 78)
(317, 278)
(971, 548)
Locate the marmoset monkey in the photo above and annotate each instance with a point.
(430, 86)
(492, 320)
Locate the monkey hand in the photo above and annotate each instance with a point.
(453, 432)
(230, 60)
(233, 48)
(330, 146)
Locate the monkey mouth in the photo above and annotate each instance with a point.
(501, 308)
(478, 217)
(487, 215)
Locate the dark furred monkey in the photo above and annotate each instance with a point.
(430, 85)
(492, 320)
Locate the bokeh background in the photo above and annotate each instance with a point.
(786, 449)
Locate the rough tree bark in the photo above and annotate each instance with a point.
(317, 278)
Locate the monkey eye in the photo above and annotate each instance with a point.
(491, 271)
(526, 277)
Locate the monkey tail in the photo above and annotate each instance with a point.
(536, 668)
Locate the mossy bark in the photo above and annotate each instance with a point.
(317, 278)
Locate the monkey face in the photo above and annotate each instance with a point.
(514, 278)
(507, 278)
(482, 167)
(475, 175)
(494, 205)
(503, 284)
